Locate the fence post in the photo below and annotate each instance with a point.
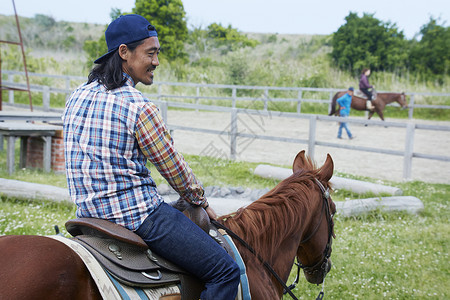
(164, 107)
(233, 133)
(159, 93)
(330, 103)
(197, 93)
(266, 98)
(312, 136)
(46, 98)
(233, 96)
(409, 149)
(67, 87)
(10, 147)
(11, 92)
(47, 159)
(299, 102)
(411, 107)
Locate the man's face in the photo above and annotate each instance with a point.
(350, 92)
(141, 62)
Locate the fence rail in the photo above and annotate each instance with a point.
(265, 98)
(410, 127)
(408, 154)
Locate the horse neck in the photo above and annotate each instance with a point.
(388, 97)
(275, 224)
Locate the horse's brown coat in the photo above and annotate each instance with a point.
(379, 103)
(36, 267)
(276, 223)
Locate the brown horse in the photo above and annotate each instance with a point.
(292, 220)
(382, 99)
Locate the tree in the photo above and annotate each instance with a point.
(217, 37)
(229, 37)
(95, 49)
(431, 55)
(44, 21)
(368, 42)
(168, 16)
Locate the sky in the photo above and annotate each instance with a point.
(261, 16)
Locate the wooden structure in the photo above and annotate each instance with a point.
(13, 130)
(20, 43)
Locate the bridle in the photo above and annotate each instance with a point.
(320, 266)
(327, 251)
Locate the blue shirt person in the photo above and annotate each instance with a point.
(345, 103)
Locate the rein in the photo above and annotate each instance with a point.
(250, 248)
(310, 270)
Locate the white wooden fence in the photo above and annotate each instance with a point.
(265, 96)
(410, 127)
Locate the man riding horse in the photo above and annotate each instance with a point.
(110, 131)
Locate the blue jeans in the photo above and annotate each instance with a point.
(344, 125)
(169, 233)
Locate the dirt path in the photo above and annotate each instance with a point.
(379, 166)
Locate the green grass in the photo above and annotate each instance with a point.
(391, 255)
(22, 216)
(378, 255)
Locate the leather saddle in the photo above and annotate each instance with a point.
(360, 94)
(369, 105)
(128, 259)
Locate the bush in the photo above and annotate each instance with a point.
(368, 42)
(431, 55)
(169, 18)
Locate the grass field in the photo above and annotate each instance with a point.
(379, 255)
(375, 256)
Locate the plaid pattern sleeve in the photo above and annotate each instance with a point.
(157, 145)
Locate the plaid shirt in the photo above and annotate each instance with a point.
(109, 136)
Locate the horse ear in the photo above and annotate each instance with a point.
(326, 171)
(301, 162)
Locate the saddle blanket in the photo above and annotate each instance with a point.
(110, 288)
(244, 288)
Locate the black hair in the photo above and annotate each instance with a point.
(109, 71)
(365, 70)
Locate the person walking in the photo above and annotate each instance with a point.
(111, 130)
(345, 103)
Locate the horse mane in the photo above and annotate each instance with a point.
(282, 211)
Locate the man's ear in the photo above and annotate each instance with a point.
(123, 51)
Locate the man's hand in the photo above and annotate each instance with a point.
(211, 213)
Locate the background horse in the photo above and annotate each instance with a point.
(292, 220)
(379, 103)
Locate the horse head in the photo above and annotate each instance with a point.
(402, 101)
(294, 219)
(314, 250)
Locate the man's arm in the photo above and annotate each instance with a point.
(157, 145)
